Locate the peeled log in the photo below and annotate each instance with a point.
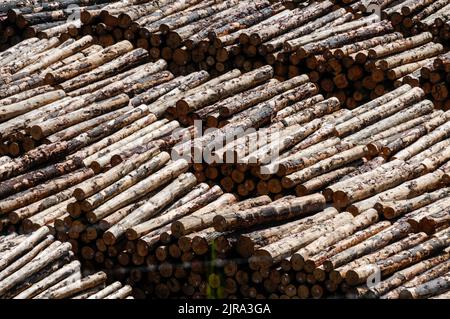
(49, 281)
(430, 274)
(369, 260)
(211, 95)
(324, 166)
(48, 255)
(371, 116)
(248, 242)
(10, 111)
(99, 182)
(79, 286)
(392, 209)
(44, 190)
(358, 237)
(88, 63)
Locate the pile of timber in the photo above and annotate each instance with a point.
(413, 17)
(356, 63)
(178, 32)
(434, 78)
(44, 19)
(75, 87)
(37, 266)
(309, 142)
(293, 247)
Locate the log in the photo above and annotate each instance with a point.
(394, 209)
(396, 262)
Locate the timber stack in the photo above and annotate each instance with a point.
(43, 19)
(434, 78)
(37, 266)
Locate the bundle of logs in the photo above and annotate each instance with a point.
(434, 78)
(413, 17)
(37, 266)
(23, 19)
(291, 185)
(76, 87)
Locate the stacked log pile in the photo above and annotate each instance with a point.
(44, 19)
(413, 17)
(37, 266)
(73, 87)
(434, 78)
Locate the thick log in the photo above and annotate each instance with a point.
(352, 240)
(198, 221)
(100, 182)
(396, 262)
(89, 63)
(248, 242)
(247, 80)
(399, 45)
(363, 220)
(408, 189)
(324, 166)
(108, 290)
(384, 110)
(24, 246)
(44, 190)
(369, 260)
(13, 110)
(428, 289)
(424, 142)
(113, 67)
(32, 178)
(52, 126)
